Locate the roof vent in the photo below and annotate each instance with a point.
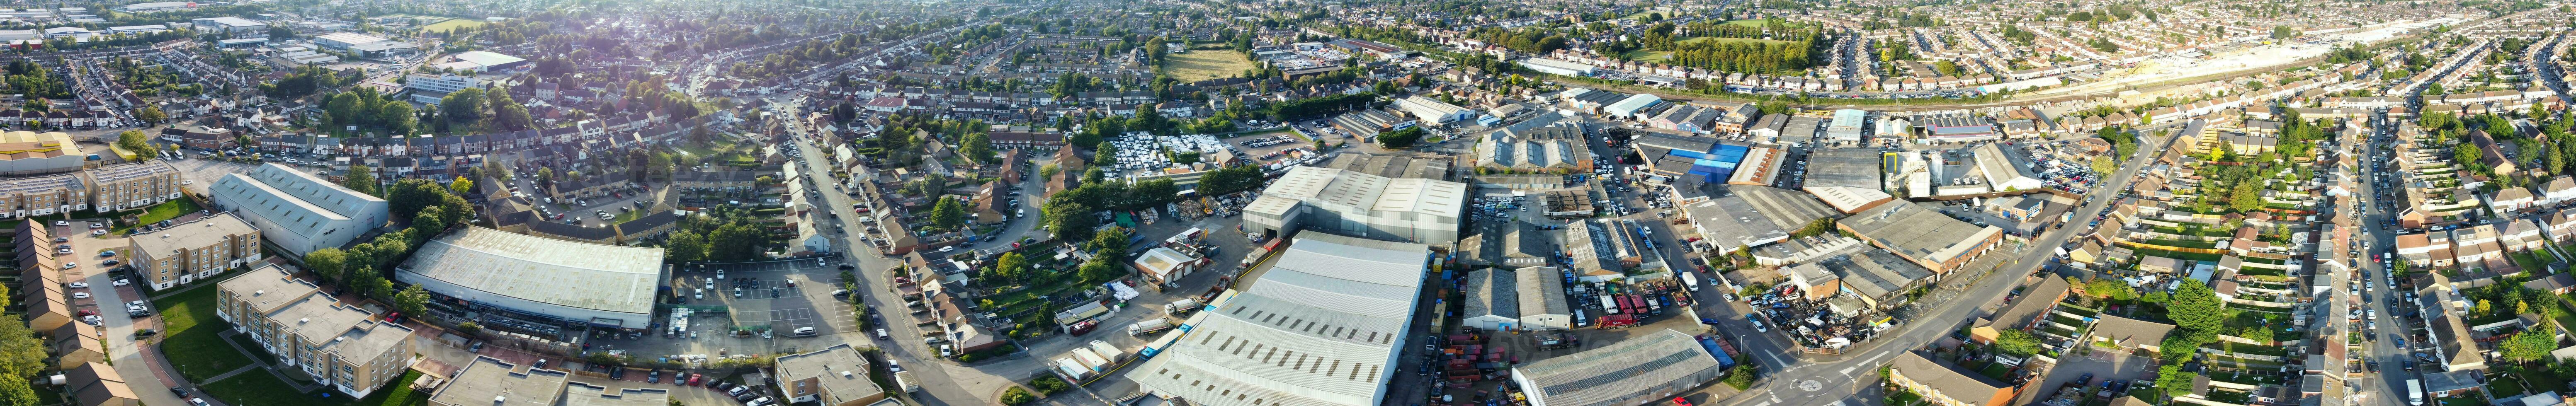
(498, 399)
(303, 320)
(846, 374)
(258, 292)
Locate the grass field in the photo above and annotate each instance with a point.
(450, 24)
(1206, 64)
(188, 326)
(268, 390)
(164, 211)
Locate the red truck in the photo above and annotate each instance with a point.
(1618, 321)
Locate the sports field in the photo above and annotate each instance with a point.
(1200, 65)
(452, 23)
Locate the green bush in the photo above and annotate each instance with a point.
(1050, 385)
(1741, 378)
(1017, 396)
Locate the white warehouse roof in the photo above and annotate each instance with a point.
(1653, 364)
(546, 271)
(1320, 326)
(1632, 104)
(1361, 190)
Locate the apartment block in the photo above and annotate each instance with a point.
(133, 186)
(196, 249)
(43, 195)
(348, 348)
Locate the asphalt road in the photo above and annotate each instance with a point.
(1837, 380)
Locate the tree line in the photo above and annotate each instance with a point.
(1746, 56)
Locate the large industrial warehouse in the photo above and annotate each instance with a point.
(1321, 326)
(571, 282)
(1643, 369)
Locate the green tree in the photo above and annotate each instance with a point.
(979, 147)
(2173, 380)
(2528, 346)
(1100, 268)
(1400, 138)
(1011, 266)
(150, 114)
(327, 262)
(2017, 342)
(462, 106)
(408, 196)
(21, 354)
(735, 241)
(2246, 198)
(685, 246)
(136, 142)
(396, 117)
(360, 179)
(15, 391)
(1069, 220)
(413, 300)
(948, 214)
(460, 186)
(1108, 241)
(2195, 307)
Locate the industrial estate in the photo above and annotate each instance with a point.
(1287, 203)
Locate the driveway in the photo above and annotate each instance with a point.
(145, 371)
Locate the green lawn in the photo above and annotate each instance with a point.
(2531, 262)
(2504, 386)
(1995, 370)
(1903, 397)
(164, 211)
(189, 335)
(270, 391)
(1648, 56)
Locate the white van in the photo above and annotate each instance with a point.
(881, 334)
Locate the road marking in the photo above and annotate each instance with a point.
(1847, 370)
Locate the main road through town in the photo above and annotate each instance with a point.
(1840, 379)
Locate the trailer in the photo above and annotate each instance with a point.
(1089, 359)
(1149, 327)
(909, 384)
(1690, 280)
(1610, 304)
(1108, 351)
(1072, 370)
(1178, 307)
(1724, 361)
